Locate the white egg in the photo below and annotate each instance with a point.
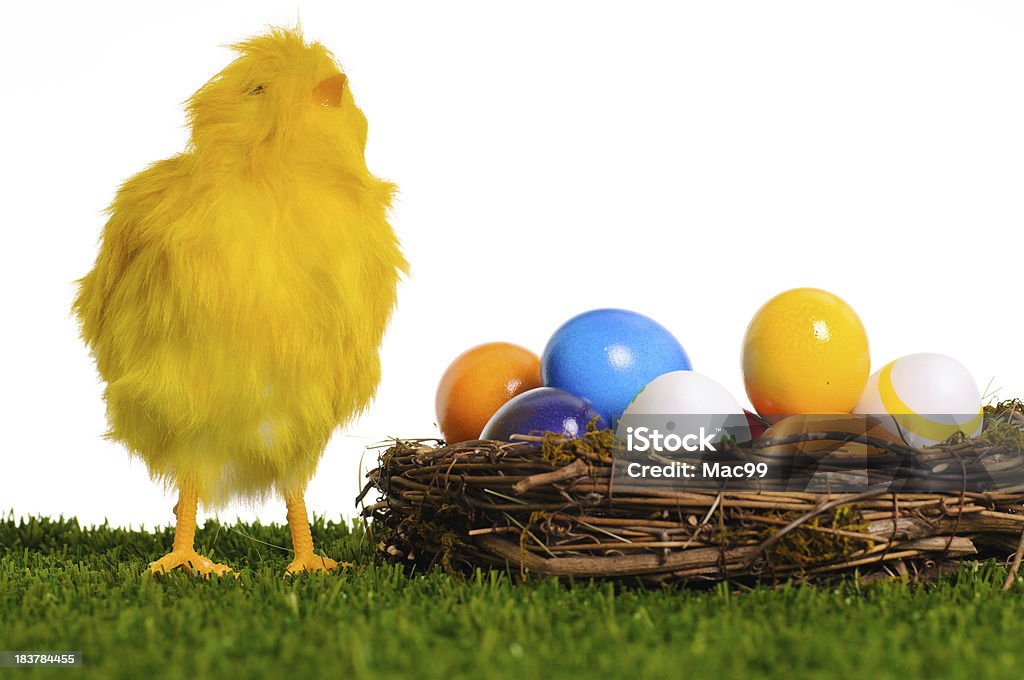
(928, 398)
(684, 392)
(685, 400)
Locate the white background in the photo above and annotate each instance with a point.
(686, 160)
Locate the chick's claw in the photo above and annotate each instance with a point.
(192, 562)
(313, 563)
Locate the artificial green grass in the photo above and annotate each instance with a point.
(67, 588)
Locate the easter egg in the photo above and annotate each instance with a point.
(838, 423)
(478, 383)
(758, 425)
(681, 392)
(681, 401)
(929, 398)
(606, 356)
(805, 351)
(543, 409)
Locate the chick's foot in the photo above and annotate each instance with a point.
(313, 563)
(192, 562)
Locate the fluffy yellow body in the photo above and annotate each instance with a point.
(242, 289)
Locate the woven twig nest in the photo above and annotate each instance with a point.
(548, 505)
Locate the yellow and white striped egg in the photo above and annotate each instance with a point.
(927, 397)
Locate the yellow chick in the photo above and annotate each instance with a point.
(242, 288)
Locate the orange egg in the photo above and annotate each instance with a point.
(478, 383)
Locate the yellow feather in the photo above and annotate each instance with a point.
(242, 287)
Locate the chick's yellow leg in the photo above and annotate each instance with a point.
(302, 539)
(183, 554)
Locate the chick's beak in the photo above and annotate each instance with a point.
(328, 91)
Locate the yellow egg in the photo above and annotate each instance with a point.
(805, 351)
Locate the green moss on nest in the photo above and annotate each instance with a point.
(1002, 433)
(1004, 425)
(803, 546)
(1007, 406)
(561, 450)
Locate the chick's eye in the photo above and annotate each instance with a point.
(256, 90)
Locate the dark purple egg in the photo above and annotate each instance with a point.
(542, 409)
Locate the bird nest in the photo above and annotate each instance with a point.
(548, 505)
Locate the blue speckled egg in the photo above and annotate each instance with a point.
(543, 409)
(606, 356)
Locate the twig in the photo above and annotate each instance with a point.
(575, 469)
(1015, 566)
